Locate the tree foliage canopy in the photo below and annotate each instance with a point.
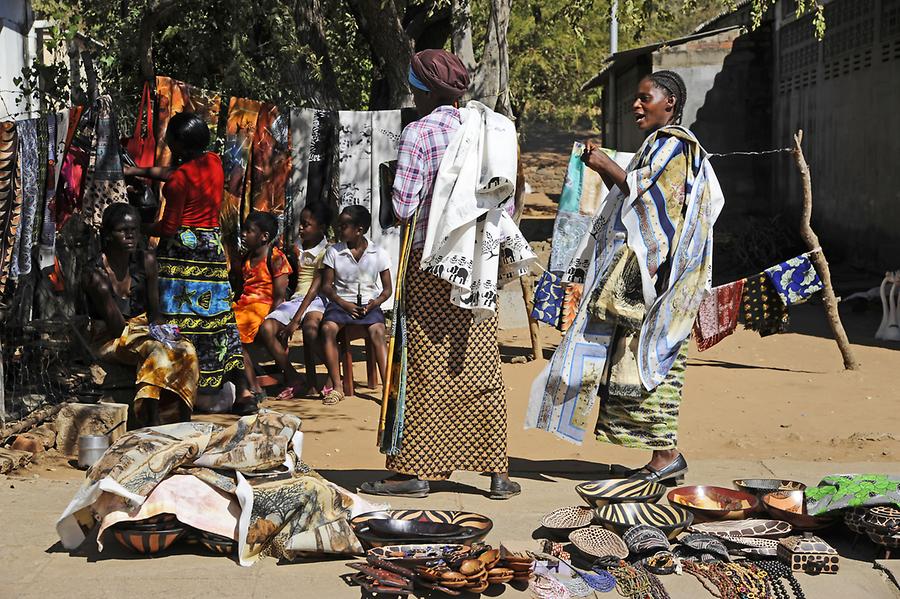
(530, 56)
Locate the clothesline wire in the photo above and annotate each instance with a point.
(749, 153)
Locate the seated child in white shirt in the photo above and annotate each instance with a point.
(351, 272)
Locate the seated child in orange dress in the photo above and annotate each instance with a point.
(265, 273)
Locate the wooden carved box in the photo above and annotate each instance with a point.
(808, 553)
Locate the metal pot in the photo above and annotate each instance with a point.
(91, 448)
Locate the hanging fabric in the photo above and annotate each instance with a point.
(172, 97)
(795, 280)
(548, 299)
(583, 192)
(142, 144)
(74, 163)
(28, 196)
(9, 200)
(271, 160)
(104, 181)
(239, 134)
(367, 139)
(718, 314)
(572, 293)
(762, 308)
(301, 126)
(58, 125)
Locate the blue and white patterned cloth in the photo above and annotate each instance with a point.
(795, 280)
(548, 299)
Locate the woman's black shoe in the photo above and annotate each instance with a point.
(674, 472)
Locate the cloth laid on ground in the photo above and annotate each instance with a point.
(795, 280)
(471, 241)
(718, 314)
(255, 303)
(365, 140)
(170, 366)
(172, 97)
(841, 491)
(286, 516)
(10, 201)
(582, 193)
(104, 183)
(454, 407)
(762, 308)
(28, 196)
(271, 160)
(239, 133)
(548, 299)
(666, 222)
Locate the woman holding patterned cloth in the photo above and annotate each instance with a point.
(195, 294)
(651, 265)
(454, 413)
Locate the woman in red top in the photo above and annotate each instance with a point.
(194, 291)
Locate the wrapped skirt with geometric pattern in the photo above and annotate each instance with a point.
(455, 415)
(195, 295)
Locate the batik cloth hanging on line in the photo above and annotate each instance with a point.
(271, 160)
(56, 132)
(311, 132)
(28, 196)
(73, 166)
(366, 139)
(762, 308)
(718, 314)
(572, 293)
(239, 134)
(104, 182)
(172, 97)
(795, 280)
(9, 200)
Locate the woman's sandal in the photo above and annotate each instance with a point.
(292, 392)
(333, 396)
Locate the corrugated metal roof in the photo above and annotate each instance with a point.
(610, 61)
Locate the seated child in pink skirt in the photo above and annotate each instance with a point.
(305, 308)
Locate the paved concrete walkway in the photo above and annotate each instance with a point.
(35, 565)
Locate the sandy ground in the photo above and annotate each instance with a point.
(780, 406)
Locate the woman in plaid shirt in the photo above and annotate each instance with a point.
(454, 413)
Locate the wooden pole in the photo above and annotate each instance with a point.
(818, 259)
(527, 281)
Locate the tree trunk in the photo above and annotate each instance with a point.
(818, 259)
(462, 34)
(151, 18)
(491, 84)
(320, 91)
(391, 46)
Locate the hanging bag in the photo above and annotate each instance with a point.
(142, 148)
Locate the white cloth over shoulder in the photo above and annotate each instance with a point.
(471, 241)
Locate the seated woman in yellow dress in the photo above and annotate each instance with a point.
(123, 301)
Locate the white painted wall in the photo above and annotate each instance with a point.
(15, 21)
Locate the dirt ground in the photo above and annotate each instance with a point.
(779, 406)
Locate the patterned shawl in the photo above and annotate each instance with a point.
(666, 180)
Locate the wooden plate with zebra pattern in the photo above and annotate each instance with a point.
(620, 490)
(473, 527)
(618, 517)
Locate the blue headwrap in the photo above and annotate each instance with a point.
(416, 82)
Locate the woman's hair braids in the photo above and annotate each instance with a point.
(671, 82)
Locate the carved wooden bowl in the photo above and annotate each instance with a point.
(619, 517)
(563, 521)
(714, 503)
(619, 490)
(790, 506)
(473, 527)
